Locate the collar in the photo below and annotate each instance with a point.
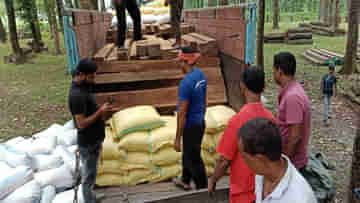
(285, 89)
(284, 183)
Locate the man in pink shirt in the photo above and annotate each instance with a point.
(294, 110)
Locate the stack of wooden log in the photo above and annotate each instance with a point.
(323, 29)
(291, 36)
(323, 57)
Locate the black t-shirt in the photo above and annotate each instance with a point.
(81, 101)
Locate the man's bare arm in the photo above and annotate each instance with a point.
(294, 138)
(181, 118)
(84, 122)
(222, 165)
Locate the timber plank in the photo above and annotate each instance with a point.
(332, 53)
(139, 76)
(159, 98)
(104, 52)
(151, 65)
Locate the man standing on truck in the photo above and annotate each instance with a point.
(134, 11)
(176, 7)
(90, 124)
(191, 121)
(242, 179)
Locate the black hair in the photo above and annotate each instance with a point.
(331, 66)
(254, 79)
(286, 62)
(86, 66)
(261, 136)
(188, 50)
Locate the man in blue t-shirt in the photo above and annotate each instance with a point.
(191, 124)
(328, 89)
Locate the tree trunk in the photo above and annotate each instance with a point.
(17, 51)
(33, 20)
(350, 65)
(260, 35)
(50, 10)
(68, 4)
(77, 5)
(276, 15)
(85, 4)
(337, 14)
(355, 168)
(2, 32)
(59, 6)
(49, 15)
(324, 11)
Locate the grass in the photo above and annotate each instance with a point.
(35, 94)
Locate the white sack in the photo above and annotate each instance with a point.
(68, 196)
(59, 177)
(148, 19)
(14, 158)
(67, 137)
(29, 193)
(4, 167)
(48, 194)
(51, 131)
(68, 157)
(70, 125)
(47, 162)
(162, 19)
(14, 179)
(72, 149)
(14, 141)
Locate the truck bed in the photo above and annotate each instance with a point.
(163, 192)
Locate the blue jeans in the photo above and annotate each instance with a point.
(327, 103)
(89, 157)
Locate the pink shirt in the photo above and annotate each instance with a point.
(294, 108)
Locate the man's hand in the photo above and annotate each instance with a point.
(106, 108)
(177, 145)
(166, 2)
(211, 186)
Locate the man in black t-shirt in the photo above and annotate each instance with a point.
(89, 121)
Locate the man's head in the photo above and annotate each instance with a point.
(284, 67)
(260, 144)
(85, 72)
(331, 68)
(252, 81)
(188, 58)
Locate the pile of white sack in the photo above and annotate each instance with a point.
(41, 168)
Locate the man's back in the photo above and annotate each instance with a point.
(241, 177)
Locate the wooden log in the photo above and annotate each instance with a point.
(320, 24)
(300, 41)
(104, 52)
(292, 36)
(316, 55)
(297, 30)
(153, 49)
(274, 41)
(332, 53)
(274, 36)
(313, 60)
(151, 65)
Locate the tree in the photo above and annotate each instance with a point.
(103, 7)
(60, 6)
(17, 51)
(276, 15)
(2, 32)
(355, 169)
(337, 14)
(350, 65)
(260, 34)
(29, 13)
(50, 10)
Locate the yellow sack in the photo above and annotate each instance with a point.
(161, 11)
(217, 137)
(217, 117)
(166, 156)
(208, 143)
(165, 173)
(110, 149)
(136, 119)
(138, 176)
(164, 136)
(209, 170)
(137, 158)
(136, 142)
(110, 180)
(119, 167)
(208, 157)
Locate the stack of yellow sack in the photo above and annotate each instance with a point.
(139, 147)
(216, 117)
(156, 7)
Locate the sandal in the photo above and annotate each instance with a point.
(180, 184)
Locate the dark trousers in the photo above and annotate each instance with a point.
(134, 11)
(193, 165)
(176, 7)
(89, 157)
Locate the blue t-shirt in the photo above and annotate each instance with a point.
(328, 84)
(193, 90)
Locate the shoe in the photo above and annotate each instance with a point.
(99, 196)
